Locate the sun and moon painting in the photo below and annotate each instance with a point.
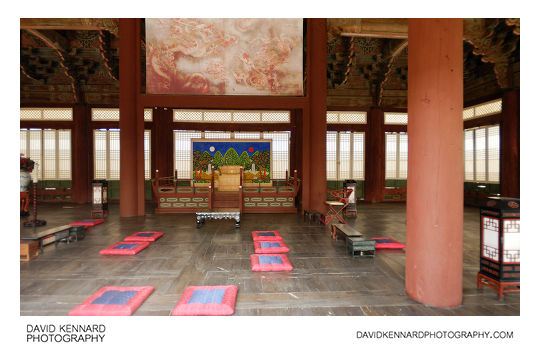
(252, 155)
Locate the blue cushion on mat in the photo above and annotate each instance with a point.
(207, 296)
(125, 246)
(145, 234)
(114, 297)
(270, 260)
(267, 234)
(269, 244)
(384, 241)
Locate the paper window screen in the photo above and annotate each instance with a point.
(147, 153)
(35, 150)
(332, 117)
(100, 154)
(280, 153)
(331, 155)
(468, 113)
(276, 116)
(403, 156)
(182, 152)
(344, 163)
(493, 153)
(24, 139)
(187, 115)
(217, 135)
(246, 116)
(358, 156)
(391, 156)
(148, 113)
(114, 154)
(480, 154)
(64, 154)
(105, 114)
(395, 118)
(217, 116)
(49, 154)
(469, 155)
(490, 108)
(352, 117)
(58, 114)
(247, 135)
(31, 114)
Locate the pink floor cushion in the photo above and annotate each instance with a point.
(88, 222)
(144, 236)
(387, 243)
(206, 300)
(266, 235)
(110, 300)
(125, 248)
(270, 262)
(270, 247)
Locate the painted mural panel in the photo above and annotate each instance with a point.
(231, 56)
(252, 155)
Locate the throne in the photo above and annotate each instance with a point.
(229, 178)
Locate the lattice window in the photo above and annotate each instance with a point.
(346, 117)
(482, 154)
(490, 242)
(483, 110)
(216, 135)
(396, 155)
(344, 155)
(147, 153)
(231, 116)
(50, 149)
(182, 152)
(148, 115)
(105, 114)
(107, 154)
(247, 135)
(396, 118)
(280, 152)
(331, 154)
(49, 114)
(275, 116)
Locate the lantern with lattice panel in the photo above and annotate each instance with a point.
(500, 245)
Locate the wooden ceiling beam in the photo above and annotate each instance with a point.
(109, 24)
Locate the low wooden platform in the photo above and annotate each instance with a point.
(45, 235)
(344, 231)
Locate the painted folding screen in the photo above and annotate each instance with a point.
(230, 56)
(254, 155)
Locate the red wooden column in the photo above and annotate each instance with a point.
(79, 161)
(434, 254)
(375, 156)
(131, 121)
(510, 144)
(162, 142)
(316, 126)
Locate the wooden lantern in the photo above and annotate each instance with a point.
(100, 204)
(499, 245)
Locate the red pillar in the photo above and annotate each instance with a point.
(162, 142)
(375, 156)
(80, 159)
(131, 121)
(434, 259)
(510, 144)
(317, 38)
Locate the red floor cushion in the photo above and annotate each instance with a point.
(270, 247)
(270, 262)
(206, 300)
(111, 300)
(125, 248)
(144, 236)
(266, 235)
(88, 222)
(387, 243)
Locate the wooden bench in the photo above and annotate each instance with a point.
(46, 236)
(344, 230)
(355, 242)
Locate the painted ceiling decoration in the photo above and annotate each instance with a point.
(76, 60)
